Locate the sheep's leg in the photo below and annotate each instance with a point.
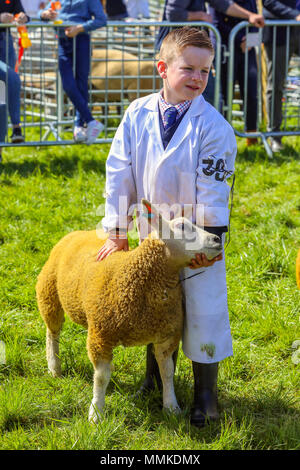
(52, 313)
(101, 380)
(166, 369)
(52, 353)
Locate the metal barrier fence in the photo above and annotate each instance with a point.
(278, 84)
(122, 69)
(156, 8)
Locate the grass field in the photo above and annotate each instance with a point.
(49, 192)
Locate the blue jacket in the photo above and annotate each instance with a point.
(89, 13)
(282, 10)
(177, 11)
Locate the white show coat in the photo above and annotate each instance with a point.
(191, 170)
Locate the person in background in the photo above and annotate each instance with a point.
(87, 15)
(225, 24)
(8, 76)
(195, 10)
(277, 60)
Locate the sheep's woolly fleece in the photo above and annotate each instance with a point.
(129, 298)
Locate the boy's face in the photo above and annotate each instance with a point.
(185, 77)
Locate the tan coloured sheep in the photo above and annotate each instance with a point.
(114, 63)
(129, 298)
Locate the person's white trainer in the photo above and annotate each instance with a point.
(79, 134)
(94, 128)
(276, 145)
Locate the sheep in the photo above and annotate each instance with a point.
(129, 298)
(111, 65)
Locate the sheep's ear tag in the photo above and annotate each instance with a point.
(150, 214)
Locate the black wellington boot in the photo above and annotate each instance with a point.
(205, 407)
(152, 371)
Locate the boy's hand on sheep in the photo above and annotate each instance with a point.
(111, 245)
(202, 262)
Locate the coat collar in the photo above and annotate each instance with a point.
(182, 132)
(196, 108)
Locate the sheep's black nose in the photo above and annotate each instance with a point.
(216, 239)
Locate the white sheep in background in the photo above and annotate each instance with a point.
(130, 298)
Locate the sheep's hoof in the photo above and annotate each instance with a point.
(177, 410)
(95, 414)
(173, 409)
(55, 372)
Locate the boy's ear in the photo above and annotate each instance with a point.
(162, 68)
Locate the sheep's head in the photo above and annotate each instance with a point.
(183, 238)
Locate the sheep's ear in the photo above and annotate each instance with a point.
(148, 206)
(150, 213)
(155, 219)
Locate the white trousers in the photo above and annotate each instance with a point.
(206, 334)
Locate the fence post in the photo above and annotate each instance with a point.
(289, 126)
(263, 73)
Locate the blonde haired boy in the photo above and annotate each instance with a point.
(174, 148)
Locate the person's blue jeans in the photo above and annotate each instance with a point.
(13, 84)
(76, 84)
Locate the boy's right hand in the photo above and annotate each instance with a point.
(111, 245)
(49, 14)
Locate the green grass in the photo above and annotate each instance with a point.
(46, 193)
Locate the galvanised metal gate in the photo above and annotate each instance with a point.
(123, 67)
(268, 124)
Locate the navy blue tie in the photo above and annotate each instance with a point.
(170, 117)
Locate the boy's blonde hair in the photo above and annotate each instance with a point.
(180, 38)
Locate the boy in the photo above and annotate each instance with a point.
(87, 15)
(174, 148)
